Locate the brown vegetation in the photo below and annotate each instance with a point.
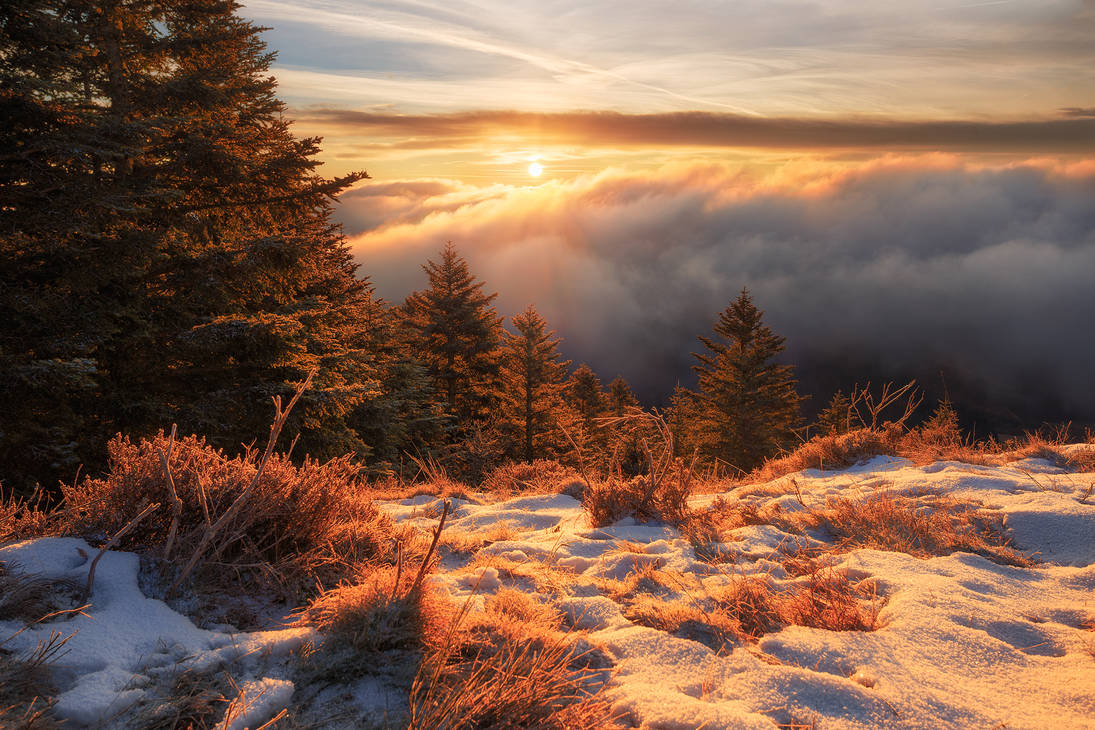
(303, 524)
(748, 607)
(509, 666)
(925, 526)
(542, 476)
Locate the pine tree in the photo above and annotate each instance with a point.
(533, 380)
(620, 397)
(585, 394)
(459, 333)
(167, 250)
(837, 416)
(750, 402)
(682, 419)
(941, 429)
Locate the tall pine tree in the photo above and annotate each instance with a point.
(533, 380)
(750, 406)
(166, 247)
(459, 335)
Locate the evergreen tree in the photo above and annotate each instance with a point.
(837, 416)
(750, 403)
(166, 247)
(682, 419)
(533, 380)
(459, 333)
(941, 429)
(620, 397)
(585, 393)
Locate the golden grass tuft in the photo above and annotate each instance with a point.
(749, 607)
(833, 451)
(925, 527)
(378, 615)
(542, 476)
(521, 684)
(644, 498)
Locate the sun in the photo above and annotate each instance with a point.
(535, 169)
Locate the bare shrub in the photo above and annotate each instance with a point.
(660, 494)
(642, 498)
(301, 526)
(25, 518)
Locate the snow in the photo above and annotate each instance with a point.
(961, 642)
(124, 640)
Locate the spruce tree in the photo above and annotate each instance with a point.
(837, 416)
(533, 380)
(166, 243)
(620, 397)
(586, 395)
(750, 404)
(459, 334)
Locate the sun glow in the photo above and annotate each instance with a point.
(535, 169)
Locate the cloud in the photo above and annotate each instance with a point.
(1077, 111)
(891, 267)
(1076, 133)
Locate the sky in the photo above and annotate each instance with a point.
(905, 187)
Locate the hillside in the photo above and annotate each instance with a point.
(727, 621)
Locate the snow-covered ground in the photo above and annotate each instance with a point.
(962, 641)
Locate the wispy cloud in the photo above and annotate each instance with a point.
(771, 57)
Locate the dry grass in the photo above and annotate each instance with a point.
(542, 476)
(660, 497)
(521, 673)
(26, 685)
(833, 451)
(544, 576)
(303, 525)
(928, 526)
(471, 541)
(379, 613)
(194, 700)
(936, 440)
(749, 607)
(30, 597)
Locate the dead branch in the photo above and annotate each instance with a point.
(110, 543)
(433, 546)
(886, 398)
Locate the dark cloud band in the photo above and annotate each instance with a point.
(1073, 131)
